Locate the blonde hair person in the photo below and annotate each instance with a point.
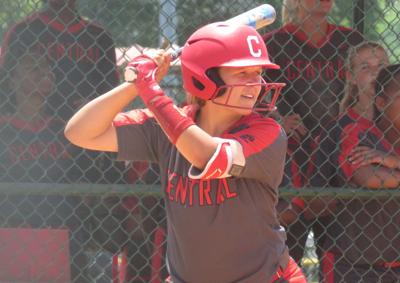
(290, 11)
(311, 52)
(309, 15)
(362, 151)
(351, 90)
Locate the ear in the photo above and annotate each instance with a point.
(380, 103)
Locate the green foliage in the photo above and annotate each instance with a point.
(384, 26)
(12, 11)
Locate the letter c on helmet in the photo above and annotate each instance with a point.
(252, 42)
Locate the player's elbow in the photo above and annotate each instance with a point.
(71, 134)
(200, 161)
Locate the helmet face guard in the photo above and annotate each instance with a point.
(266, 100)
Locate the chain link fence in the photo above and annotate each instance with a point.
(74, 215)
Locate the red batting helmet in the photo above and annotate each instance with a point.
(221, 45)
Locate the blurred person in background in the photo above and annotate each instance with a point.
(34, 150)
(81, 53)
(311, 53)
(361, 151)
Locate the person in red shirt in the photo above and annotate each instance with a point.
(387, 102)
(358, 151)
(311, 52)
(33, 149)
(220, 161)
(81, 53)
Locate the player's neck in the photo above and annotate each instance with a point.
(65, 15)
(214, 121)
(365, 111)
(316, 29)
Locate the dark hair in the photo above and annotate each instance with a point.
(386, 78)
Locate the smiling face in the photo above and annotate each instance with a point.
(242, 88)
(365, 67)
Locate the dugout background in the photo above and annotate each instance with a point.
(115, 218)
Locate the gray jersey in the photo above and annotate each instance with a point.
(219, 230)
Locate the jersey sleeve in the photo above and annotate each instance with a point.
(139, 136)
(264, 145)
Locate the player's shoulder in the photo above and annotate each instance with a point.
(349, 117)
(349, 123)
(257, 131)
(346, 34)
(256, 119)
(343, 29)
(92, 24)
(94, 27)
(24, 24)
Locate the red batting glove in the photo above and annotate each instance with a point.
(146, 83)
(145, 66)
(171, 120)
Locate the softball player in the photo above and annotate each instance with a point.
(363, 241)
(220, 161)
(311, 52)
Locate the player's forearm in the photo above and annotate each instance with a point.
(196, 146)
(96, 117)
(192, 142)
